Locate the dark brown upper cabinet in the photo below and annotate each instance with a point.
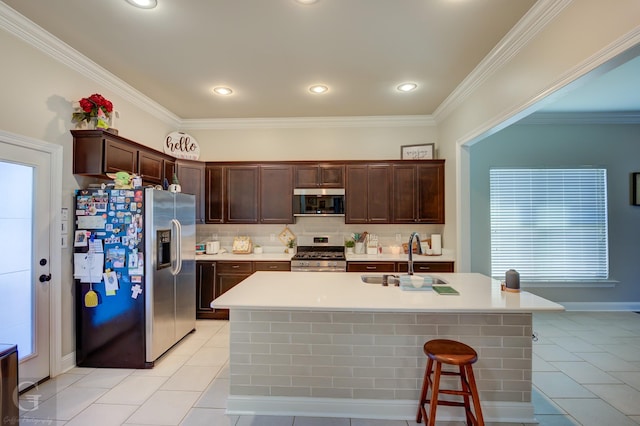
(418, 192)
(97, 152)
(150, 167)
(191, 177)
(367, 198)
(214, 189)
(241, 194)
(319, 176)
(276, 193)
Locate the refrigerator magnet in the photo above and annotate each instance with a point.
(136, 290)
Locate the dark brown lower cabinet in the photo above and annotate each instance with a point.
(418, 267)
(426, 267)
(371, 267)
(271, 266)
(215, 278)
(205, 289)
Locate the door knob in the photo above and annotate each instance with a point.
(44, 278)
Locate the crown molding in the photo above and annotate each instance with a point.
(537, 18)
(545, 118)
(27, 31)
(308, 122)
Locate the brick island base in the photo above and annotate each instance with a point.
(371, 364)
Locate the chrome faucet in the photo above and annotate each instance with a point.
(410, 263)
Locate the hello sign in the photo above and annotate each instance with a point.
(181, 145)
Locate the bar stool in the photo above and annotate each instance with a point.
(442, 351)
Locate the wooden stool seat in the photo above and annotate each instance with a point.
(443, 351)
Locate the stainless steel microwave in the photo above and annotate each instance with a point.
(318, 202)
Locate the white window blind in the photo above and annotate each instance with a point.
(549, 224)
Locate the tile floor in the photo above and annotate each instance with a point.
(586, 372)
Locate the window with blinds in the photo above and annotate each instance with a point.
(549, 224)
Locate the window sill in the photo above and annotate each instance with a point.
(571, 284)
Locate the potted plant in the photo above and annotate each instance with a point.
(95, 110)
(349, 244)
(257, 249)
(291, 246)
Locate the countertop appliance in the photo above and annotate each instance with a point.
(318, 201)
(319, 254)
(134, 265)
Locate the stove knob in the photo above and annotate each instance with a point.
(317, 263)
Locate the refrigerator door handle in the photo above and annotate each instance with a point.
(178, 244)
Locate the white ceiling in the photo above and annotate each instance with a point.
(270, 51)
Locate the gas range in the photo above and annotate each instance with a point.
(319, 254)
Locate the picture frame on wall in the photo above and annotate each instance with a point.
(426, 151)
(635, 189)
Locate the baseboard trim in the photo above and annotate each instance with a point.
(601, 306)
(493, 411)
(68, 362)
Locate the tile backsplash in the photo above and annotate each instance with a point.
(268, 235)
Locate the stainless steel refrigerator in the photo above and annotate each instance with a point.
(135, 275)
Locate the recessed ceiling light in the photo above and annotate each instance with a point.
(223, 91)
(143, 4)
(318, 88)
(306, 1)
(407, 87)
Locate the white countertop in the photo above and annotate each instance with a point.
(345, 291)
(390, 257)
(276, 256)
(266, 257)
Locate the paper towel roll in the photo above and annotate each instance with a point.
(436, 244)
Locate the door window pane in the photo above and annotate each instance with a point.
(16, 291)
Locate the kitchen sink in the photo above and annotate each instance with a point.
(378, 279)
(395, 279)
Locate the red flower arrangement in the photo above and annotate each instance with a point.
(95, 106)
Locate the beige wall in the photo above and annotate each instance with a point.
(364, 142)
(585, 34)
(37, 91)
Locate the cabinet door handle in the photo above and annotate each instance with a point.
(273, 267)
(372, 268)
(235, 266)
(424, 268)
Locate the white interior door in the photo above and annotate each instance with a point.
(25, 220)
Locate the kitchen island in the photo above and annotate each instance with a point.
(328, 344)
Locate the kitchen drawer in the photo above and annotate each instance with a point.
(271, 266)
(426, 267)
(371, 267)
(234, 267)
